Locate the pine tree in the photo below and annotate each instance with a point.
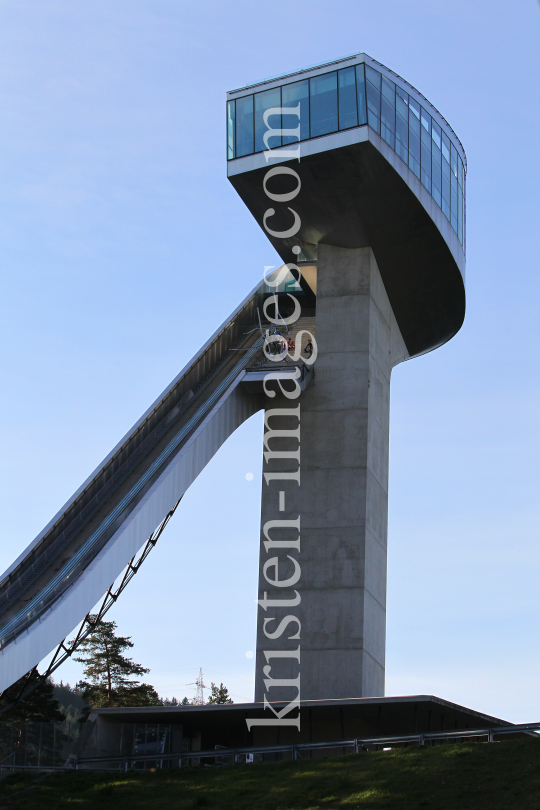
(39, 706)
(109, 673)
(220, 694)
(71, 700)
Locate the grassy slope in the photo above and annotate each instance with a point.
(447, 777)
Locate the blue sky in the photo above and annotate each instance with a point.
(123, 246)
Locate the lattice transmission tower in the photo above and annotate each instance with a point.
(199, 694)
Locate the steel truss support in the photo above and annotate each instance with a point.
(66, 648)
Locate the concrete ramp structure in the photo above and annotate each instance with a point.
(70, 565)
(359, 183)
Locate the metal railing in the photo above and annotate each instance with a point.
(3, 761)
(295, 750)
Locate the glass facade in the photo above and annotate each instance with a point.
(346, 98)
(323, 104)
(296, 95)
(264, 103)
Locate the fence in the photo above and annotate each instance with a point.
(37, 745)
(229, 756)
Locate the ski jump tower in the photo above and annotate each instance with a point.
(360, 182)
(373, 195)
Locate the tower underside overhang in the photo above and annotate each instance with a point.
(356, 192)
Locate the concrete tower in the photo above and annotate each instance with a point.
(371, 199)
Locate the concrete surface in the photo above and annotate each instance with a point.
(342, 499)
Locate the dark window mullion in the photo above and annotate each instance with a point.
(309, 97)
(231, 105)
(309, 108)
(281, 115)
(356, 96)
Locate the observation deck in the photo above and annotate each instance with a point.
(379, 166)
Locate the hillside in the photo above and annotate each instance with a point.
(471, 776)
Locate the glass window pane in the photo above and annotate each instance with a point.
(414, 153)
(464, 226)
(291, 96)
(324, 104)
(463, 220)
(425, 130)
(388, 112)
(446, 187)
(446, 170)
(446, 209)
(373, 90)
(388, 90)
(347, 98)
(460, 172)
(361, 88)
(436, 134)
(453, 219)
(415, 109)
(402, 104)
(453, 159)
(230, 129)
(244, 126)
(425, 118)
(453, 196)
(402, 138)
(426, 167)
(264, 102)
(414, 137)
(446, 173)
(436, 175)
(460, 216)
(373, 76)
(402, 94)
(436, 181)
(387, 122)
(446, 146)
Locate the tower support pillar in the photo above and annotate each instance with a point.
(342, 498)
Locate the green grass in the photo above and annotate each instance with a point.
(463, 776)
